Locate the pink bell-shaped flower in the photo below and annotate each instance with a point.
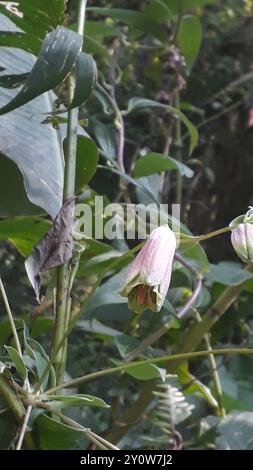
(148, 276)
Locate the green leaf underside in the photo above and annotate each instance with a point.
(156, 163)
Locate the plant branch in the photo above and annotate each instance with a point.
(178, 145)
(16, 407)
(174, 358)
(213, 368)
(63, 272)
(23, 428)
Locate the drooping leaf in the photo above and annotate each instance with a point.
(86, 76)
(156, 163)
(57, 56)
(54, 249)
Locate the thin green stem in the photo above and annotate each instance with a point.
(213, 369)
(13, 403)
(154, 360)
(178, 145)
(24, 426)
(10, 317)
(189, 240)
(63, 272)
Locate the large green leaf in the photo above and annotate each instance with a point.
(133, 18)
(57, 56)
(13, 197)
(23, 232)
(228, 273)
(35, 18)
(107, 293)
(54, 435)
(189, 38)
(156, 163)
(236, 431)
(33, 146)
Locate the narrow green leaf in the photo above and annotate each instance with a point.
(66, 401)
(86, 76)
(17, 361)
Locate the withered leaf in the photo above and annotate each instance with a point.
(55, 248)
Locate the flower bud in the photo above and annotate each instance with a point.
(148, 276)
(242, 241)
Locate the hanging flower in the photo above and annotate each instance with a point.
(148, 276)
